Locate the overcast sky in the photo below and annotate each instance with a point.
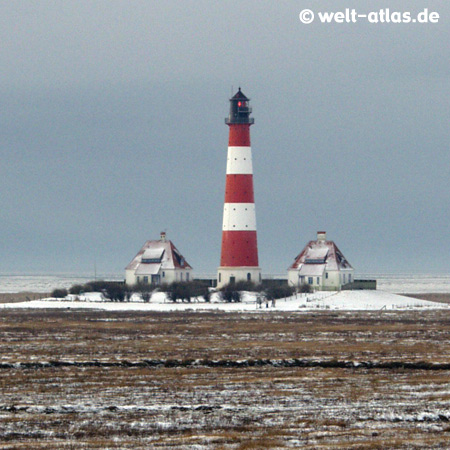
(112, 130)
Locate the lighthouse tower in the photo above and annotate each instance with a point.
(239, 256)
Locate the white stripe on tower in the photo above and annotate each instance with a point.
(239, 161)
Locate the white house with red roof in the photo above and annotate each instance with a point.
(322, 265)
(158, 262)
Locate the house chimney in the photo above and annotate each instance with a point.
(163, 236)
(321, 235)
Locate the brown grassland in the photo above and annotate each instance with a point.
(82, 405)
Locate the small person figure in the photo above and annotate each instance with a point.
(273, 303)
(259, 301)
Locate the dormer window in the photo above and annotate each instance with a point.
(317, 256)
(152, 256)
(151, 260)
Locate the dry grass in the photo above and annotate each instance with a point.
(106, 335)
(441, 298)
(21, 297)
(222, 408)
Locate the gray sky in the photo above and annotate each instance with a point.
(112, 130)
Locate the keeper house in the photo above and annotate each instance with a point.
(158, 262)
(322, 265)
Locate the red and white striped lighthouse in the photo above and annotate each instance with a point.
(239, 256)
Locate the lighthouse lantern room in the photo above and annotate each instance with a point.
(239, 254)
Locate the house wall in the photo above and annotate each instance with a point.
(130, 278)
(333, 283)
(239, 273)
(170, 275)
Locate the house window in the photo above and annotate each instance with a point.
(318, 280)
(220, 277)
(146, 280)
(310, 280)
(156, 279)
(138, 279)
(181, 276)
(164, 274)
(151, 260)
(326, 275)
(349, 278)
(344, 278)
(187, 276)
(249, 276)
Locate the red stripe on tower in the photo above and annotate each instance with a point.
(239, 255)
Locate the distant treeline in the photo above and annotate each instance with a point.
(180, 290)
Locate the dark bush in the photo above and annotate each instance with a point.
(59, 293)
(179, 290)
(305, 288)
(230, 293)
(76, 289)
(200, 289)
(243, 285)
(98, 286)
(115, 291)
(145, 290)
(276, 291)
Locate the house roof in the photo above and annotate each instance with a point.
(312, 270)
(153, 253)
(148, 269)
(160, 254)
(320, 253)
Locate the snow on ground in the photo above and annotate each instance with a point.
(345, 300)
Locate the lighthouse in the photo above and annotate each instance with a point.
(239, 254)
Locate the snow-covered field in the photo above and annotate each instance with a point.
(12, 283)
(345, 300)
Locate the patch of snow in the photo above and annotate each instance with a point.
(345, 300)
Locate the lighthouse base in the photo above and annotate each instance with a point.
(227, 275)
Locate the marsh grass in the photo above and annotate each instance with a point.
(178, 406)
